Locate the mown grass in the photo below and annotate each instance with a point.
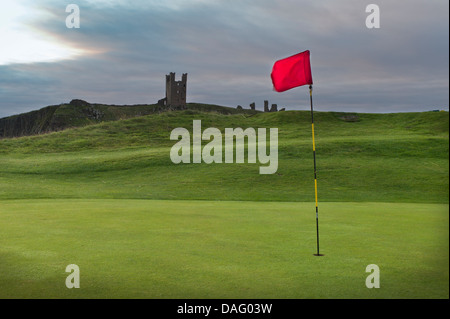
(210, 249)
(108, 198)
(383, 157)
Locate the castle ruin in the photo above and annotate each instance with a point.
(273, 108)
(175, 91)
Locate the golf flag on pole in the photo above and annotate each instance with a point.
(291, 72)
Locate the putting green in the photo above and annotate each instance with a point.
(221, 249)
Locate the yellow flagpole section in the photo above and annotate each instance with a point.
(315, 171)
(314, 143)
(315, 186)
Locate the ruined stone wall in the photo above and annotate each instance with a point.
(176, 90)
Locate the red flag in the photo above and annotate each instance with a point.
(291, 72)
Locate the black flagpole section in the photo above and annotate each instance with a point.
(315, 171)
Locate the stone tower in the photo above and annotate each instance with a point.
(176, 90)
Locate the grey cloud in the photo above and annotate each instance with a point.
(229, 47)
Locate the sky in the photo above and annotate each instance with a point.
(122, 51)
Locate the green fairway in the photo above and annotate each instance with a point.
(107, 198)
(383, 157)
(207, 249)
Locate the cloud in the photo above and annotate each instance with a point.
(228, 48)
(22, 44)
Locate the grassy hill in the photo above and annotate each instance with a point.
(379, 157)
(80, 113)
(107, 198)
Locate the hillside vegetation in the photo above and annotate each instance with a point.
(80, 113)
(108, 198)
(377, 157)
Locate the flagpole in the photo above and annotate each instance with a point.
(315, 170)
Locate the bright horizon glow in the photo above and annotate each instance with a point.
(21, 44)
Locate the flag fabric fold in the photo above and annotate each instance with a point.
(292, 72)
